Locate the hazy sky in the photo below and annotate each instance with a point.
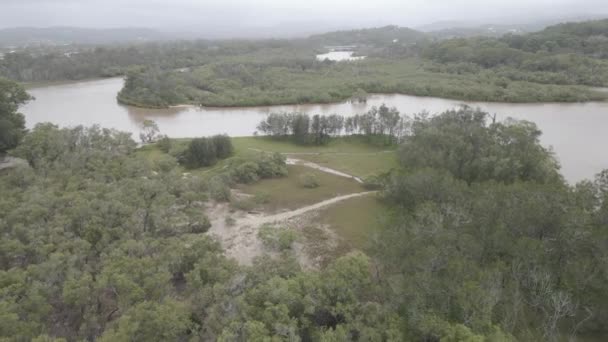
(198, 14)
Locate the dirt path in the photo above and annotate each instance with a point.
(240, 239)
(261, 220)
(293, 161)
(322, 153)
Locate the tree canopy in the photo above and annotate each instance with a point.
(12, 123)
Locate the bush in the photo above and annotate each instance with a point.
(272, 165)
(200, 226)
(223, 146)
(206, 151)
(309, 181)
(164, 144)
(200, 152)
(165, 164)
(246, 173)
(280, 239)
(219, 189)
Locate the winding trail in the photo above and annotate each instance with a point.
(293, 161)
(261, 220)
(240, 239)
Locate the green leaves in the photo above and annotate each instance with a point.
(12, 123)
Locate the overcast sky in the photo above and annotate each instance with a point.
(199, 14)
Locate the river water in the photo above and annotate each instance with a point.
(576, 132)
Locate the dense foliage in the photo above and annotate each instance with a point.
(82, 62)
(487, 234)
(12, 123)
(572, 54)
(99, 243)
(551, 65)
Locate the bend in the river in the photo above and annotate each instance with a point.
(576, 131)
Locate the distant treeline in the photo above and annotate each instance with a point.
(554, 65)
(318, 129)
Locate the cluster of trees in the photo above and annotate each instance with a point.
(245, 82)
(572, 54)
(82, 62)
(487, 233)
(263, 78)
(377, 122)
(207, 151)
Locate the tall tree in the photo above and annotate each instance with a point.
(12, 123)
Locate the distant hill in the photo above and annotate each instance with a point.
(29, 36)
(465, 29)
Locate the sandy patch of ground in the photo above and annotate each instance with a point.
(237, 231)
(240, 236)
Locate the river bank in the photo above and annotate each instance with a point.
(575, 131)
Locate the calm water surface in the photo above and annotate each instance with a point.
(339, 56)
(576, 132)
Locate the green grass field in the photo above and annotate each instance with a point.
(287, 193)
(360, 165)
(355, 220)
(352, 155)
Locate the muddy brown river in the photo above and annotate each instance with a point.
(576, 132)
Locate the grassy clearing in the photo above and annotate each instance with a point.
(352, 155)
(355, 220)
(288, 193)
(343, 227)
(360, 165)
(351, 144)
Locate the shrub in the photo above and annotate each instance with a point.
(164, 144)
(200, 226)
(206, 151)
(246, 173)
(272, 165)
(223, 146)
(200, 152)
(165, 163)
(280, 239)
(219, 189)
(309, 181)
(178, 151)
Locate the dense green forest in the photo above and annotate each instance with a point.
(484, 242)
(556, 64)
